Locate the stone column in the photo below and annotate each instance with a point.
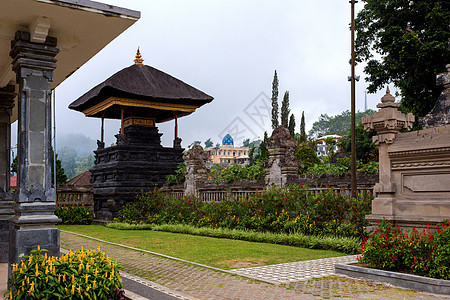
(282, 165)
(35, 199)
(6, 212)
(196, 171)
(387, 122)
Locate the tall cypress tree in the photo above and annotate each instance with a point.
(285, 110)
(302, 129)
(275, 101)
(292, 125)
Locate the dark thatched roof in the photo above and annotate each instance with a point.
(143, 83)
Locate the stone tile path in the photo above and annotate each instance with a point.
(296, 271)
(194, 281)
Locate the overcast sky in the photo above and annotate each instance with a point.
(229, 49)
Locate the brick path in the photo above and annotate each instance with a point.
(203, 283)
(296, 271)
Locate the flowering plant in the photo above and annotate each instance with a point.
(85, 274)
(425, 252)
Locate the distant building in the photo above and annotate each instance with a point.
(322, 148)
(227, 153)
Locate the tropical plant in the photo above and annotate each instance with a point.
(85, 274)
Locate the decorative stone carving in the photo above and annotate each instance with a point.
(100, 145)
(282, 164)
(440, 114)
(196, 171)
(388, 121)
(413, 188)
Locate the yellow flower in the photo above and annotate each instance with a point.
(73, 278)
(45, 255)
(39, 248)
(46, 270)
(79, 290)
(86, 278)
(10, 294)
(73, 289)
(64, 277)
(93, 285)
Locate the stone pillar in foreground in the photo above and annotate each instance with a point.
(387, 122)
(35, 199)
(6, 212)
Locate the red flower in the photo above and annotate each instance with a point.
(189, 201)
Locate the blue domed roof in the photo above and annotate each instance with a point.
(227, 140)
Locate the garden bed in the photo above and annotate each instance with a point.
(424, 284)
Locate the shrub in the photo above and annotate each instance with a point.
(74, 215)
(425, 253)
(346, 245)
(276, 210)
(307, 157)
(179, 175)
(82, 275)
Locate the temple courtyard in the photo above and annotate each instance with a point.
(148, 275)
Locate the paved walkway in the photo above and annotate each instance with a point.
(296, 271)
(187, 281)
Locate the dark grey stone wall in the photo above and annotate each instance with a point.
(137, 163)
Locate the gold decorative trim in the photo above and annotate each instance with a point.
(147, 122)
(137, 103)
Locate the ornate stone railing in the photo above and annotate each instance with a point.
(217, 195)
(74, 195)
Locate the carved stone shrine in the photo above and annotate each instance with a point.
(414, 176)
(140, 96)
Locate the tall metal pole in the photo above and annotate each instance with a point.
(353, 83)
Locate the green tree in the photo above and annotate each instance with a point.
(194, 143)
(307, 157)
(275, 101)
(209, 143)
(246, 143)
(302, 129)
(331, 143)
(68, 156)
(60, 174)
(285, 110)
(405, 42)
(365, 149)
(263, 151)
(339, 124)
(292, 125)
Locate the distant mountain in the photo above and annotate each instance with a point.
(82, 144)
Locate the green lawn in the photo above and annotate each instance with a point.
(220, 253)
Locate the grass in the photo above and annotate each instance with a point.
(215, 252)
(340, 244)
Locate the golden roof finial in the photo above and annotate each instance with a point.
(138, 60)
